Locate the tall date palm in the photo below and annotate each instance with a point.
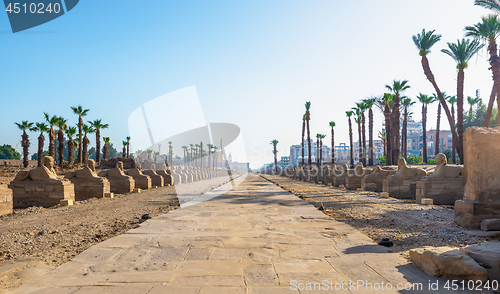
(332, 125)
(397, 88)
(275, 152)
(42, 128)
(25, 142)
(308, 118)
(349, 113)
(70, 132)
(78, 110)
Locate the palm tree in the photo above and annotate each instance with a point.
(425, 100)
(149, 151)
(388, 100)
(424, 43)
(452, 100)
(156, 153)
(438, 123)
(70, 132)
(303, 131)
(61, 123)
(97, 125)
(462, 52)
(124, 151)
(321, 137)
(332, 125)
(488, 30)
(383, 137)
(81, 113)
(349, 113)
(362, 107)
(209, 146)
(197, 152)
(308, 118)
(368, 105)
(472, 102)
(128, 147)
(105, 149)
(275, 152)
(170, 153)
(184, 151)
(489, 4)
(406, 102)
(52, 121)
(191, 156)
(138, 153)
(86, 130)
(396, 88)
(25, 142)
(357, 120)
(318, 136)
(490, 107)
(42, 128)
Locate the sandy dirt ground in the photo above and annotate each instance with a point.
(407, 224)
(51, 236)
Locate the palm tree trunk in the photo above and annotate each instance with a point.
(317, 152)
(303, 131)
(430, 77)
(424, 129)
(275, 159)
(84, 151)
(490, 107)
(321, 152)
(128, 154)
(460, 111)
(453, 147)
(41, 141)
(71, 147)
(80, 136)
(438, 122)
(333, 148)
(105, 151)
(360, 154)
(60, 138)
(495, 68)
(388, 135)
(97, 145)
(350, 141)
(395, 129)
(25, 143)
(404, 133)
(52, 148)
(364, 137)
(308, 141)
(370, 136)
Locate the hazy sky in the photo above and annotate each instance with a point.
(254, 63)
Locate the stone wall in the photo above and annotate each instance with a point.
(128, 163)
(6, 203)
(41, 193)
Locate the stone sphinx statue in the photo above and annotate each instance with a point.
(119, 181)
(41, 186)
(354, 178)
(405, 172)
(156, 179)
(87, 183)
(142, 181)
(88, 172)
(374, 180)
(45, 172)
(445, 171)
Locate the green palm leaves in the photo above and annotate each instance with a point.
(462, 51)
(425, 41)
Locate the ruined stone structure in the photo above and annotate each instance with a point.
(374, 180)
(403, 184)
(339, 175)
(142, 181)
(482, 177)
(161, 169)
(87, 183)
(444, 186)
(41, 186)
(156, 179)
(354, 177)
(6, 203)
(119, 182)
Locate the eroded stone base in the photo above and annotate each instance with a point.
(401, 188)
(6, 203)
(353, 182)
(41, 193)
(469, 214)
(442, 192)
(121, 185)
(374, 184)
(90, 188)
(142, 182)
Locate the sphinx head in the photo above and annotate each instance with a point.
(401, 163)
(119, 165)
(48, 162)
(440, 159)
(91, 164)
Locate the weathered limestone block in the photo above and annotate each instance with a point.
(487, 254)
(119, 182)
(142, 181)
(444, 186)
(111, 163)
(156, 179)
(403, 184)
(374, 180)
(482, 177)
(87, 183)
(355, 177)
(161, 169)
(318, 175)
(6, 203)
(41, 186)
(339, 175)
(447, 262)
(490, 224)
(146, 164)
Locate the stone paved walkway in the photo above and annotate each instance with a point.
(254, 239)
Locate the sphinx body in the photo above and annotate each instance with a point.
(161, 169)
(354, 177)
(403, 184)
(119, 182)
(87, 183)
(41, 186)
(374, 180)
(142, 181)
(156, 179)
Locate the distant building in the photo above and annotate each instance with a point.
(445, 142)
(296, 153)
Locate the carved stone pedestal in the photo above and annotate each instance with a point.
(41, 193)
(401, 188)
(156, 179)
(90, 188)
(6, 203)
(442, 191)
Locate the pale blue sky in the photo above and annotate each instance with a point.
(254, 63)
